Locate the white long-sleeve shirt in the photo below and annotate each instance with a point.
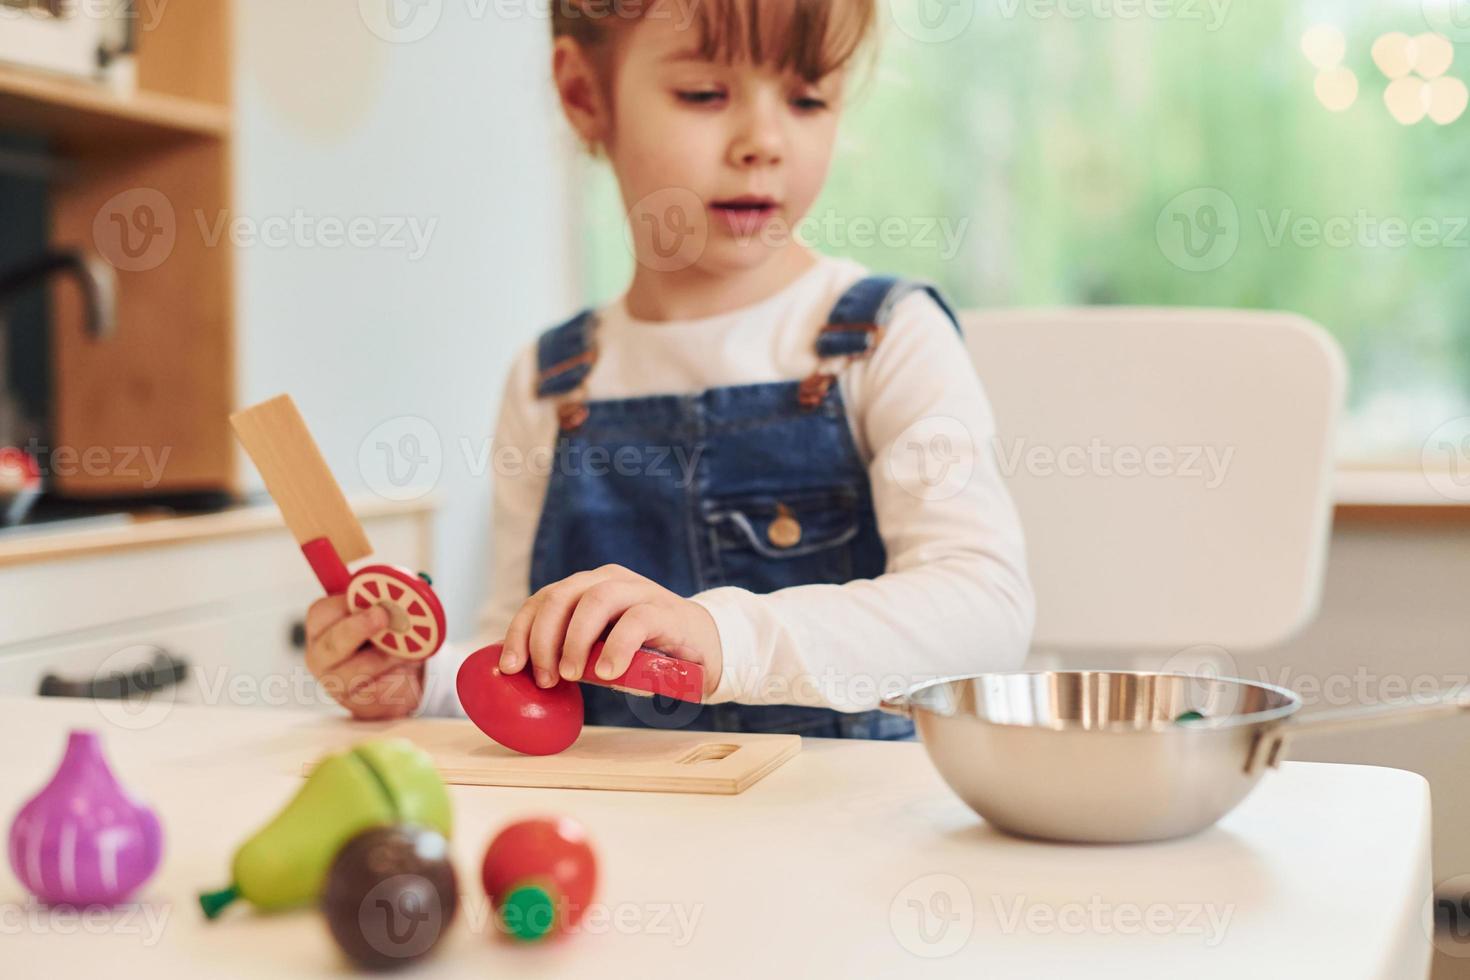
(954, 598)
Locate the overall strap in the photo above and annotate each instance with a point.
(856, 326)
(565, 355)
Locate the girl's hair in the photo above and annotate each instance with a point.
(812, 38)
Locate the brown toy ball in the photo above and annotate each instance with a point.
(391, 896)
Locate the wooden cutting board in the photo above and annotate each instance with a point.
(627, 759)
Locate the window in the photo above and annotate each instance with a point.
(1172, 152)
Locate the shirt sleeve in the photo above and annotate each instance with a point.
(955, 597)
(520, 464)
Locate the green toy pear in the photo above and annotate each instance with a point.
(390, 781)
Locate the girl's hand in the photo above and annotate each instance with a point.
(358, 676)
(555, 628)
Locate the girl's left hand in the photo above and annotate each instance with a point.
(555, 628)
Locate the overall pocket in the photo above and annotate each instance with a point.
(773, 541)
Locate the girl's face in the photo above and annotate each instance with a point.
(717, 164)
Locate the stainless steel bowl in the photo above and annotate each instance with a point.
(1104, 757)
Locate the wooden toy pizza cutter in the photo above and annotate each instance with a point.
(330, 535)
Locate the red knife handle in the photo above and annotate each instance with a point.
(652, 673)
(330, 570)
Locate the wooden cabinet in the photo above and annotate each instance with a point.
(144, 179)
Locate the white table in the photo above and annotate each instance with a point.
(851, 860)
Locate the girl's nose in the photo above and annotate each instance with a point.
(760, 141)
(755, 152)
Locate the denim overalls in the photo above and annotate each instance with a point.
(758, 486)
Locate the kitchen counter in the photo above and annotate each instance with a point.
(851, 860)
(124, 531)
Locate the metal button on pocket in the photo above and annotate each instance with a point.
(785, 530)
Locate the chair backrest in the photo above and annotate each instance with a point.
(1173, 469)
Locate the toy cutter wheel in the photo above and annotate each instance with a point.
(330, 535)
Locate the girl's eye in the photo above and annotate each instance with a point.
(702, 97)
(809, 103)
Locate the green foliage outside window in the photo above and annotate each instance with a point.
(1053, 154)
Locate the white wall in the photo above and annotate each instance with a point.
(457, 132)
(1394, 623)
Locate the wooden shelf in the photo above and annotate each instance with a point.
(164, 381)
(78, 116)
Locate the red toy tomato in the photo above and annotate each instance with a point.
(540, 875)
(512, 710)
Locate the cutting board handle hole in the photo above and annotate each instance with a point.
(708, 753)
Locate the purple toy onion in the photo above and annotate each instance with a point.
(83, 840)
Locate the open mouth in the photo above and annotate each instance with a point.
(746, 215)
(747, 204)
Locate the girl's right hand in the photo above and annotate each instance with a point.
(358, 676)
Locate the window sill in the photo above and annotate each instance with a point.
(1400, 496)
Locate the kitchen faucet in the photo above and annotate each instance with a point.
(94, 277)
(98, 288)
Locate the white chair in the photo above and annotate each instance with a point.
(1173, 470)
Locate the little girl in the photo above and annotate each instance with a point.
(760, 459)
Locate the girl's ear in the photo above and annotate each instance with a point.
(581, 92)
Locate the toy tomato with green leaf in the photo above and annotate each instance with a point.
(540, 876)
